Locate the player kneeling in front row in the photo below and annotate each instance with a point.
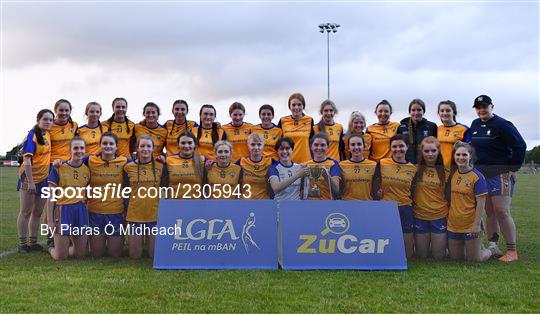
(70, 215)
(144, 175)
(468, 191)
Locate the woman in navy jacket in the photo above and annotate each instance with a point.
(500, 153)
(416, 128)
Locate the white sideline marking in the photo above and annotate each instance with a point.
(15, 250)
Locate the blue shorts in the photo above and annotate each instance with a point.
(73, 219)
(108, 224)
(460, 236)
(406, 217)
(141, 228)
(22, 183)
(429, 226)
(500, 185)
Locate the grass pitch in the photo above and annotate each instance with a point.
(33, 283)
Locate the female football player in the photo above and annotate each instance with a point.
(225, 174)
(468, 191)
(177, 126)
(357, 125)
(62, 130)
(397, 176)
(208, 132)
(150, 126)
(141, 216)
(416, 128)
(237, 131)
(270, 132)
(69, 216)
(121, 126)
(186, 168)
(359, 176)
(382, 131)
(287, 178)
(106, 214)
(92, 131)
(33, 173)
(501, 152)
(298, 127)
(255, 168)
(325, 173)
(430, 205)
(450, 131)
(333, 130)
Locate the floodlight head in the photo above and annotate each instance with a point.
(321, 25)
(322, 30)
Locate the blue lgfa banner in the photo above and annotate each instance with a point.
(217, 234)
(341, 235)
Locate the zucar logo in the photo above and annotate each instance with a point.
(333, 239)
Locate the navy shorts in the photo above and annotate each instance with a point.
(429, 226)
(501, 185)
(141, 228)
(23, 184)
(460, 236)
(107, 224)
(73, 219)
(406, 217)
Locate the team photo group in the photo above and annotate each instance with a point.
(443, 176)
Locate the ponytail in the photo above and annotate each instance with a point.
(37, 131)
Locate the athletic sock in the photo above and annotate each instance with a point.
(32, 240)
(22, 241)
(494, 238)
(511, 246)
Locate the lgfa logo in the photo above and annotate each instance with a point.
(334, 236)
(221, 232)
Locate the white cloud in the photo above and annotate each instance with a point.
(261, 53)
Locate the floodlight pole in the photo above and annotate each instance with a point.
(328, 27)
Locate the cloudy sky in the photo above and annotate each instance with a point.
(261, 52)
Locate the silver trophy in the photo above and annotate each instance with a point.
(315, 172)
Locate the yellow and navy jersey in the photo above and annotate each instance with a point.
(124, 131)
(61, 136)
(300, 131)
(67, 175)
(271, 136)
(91, 137)
(140, 177)
(40, 157)
(367, 145)
(206, 146)
(158, 134)
(335, 137)
(255, 175)
(173, 131)
(448, 136)
(464, 188)
(183, 175)
(396, 181)
(230, 175)
(380, 140)
(237, 136)
(103, 173)
(357, 179)
(322, 182)
(429, 195)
